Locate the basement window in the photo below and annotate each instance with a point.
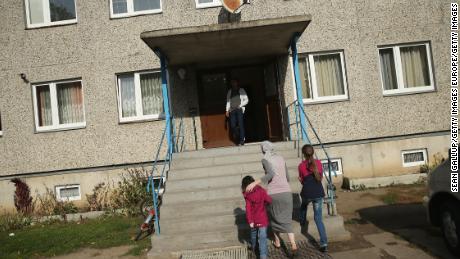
(414, 157)
(68, 192)
(336, 165)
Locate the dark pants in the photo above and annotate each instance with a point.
(237, 125)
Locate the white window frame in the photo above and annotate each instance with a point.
(74, 198)
(418, 163)
(47, 16)
(214, 3)
(399, 73)
(54, 108)
(130, 10)
(339, 163)
(312, 77)
(137, 92)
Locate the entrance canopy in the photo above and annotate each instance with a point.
(229, 41)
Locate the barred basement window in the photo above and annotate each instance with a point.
(336, 165)
(68, 192)
(414, 157)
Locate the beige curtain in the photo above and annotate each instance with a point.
(329, 75)
(127, 95)
(70, 102)
(387, 65)
(303, 70)
(415, 66)
(152, 97)
(44, 105)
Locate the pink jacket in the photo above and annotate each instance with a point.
(255, 206)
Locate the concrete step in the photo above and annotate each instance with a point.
(217, 207)
(207, 194)
(232, 179)
(235, 150)
(219, 170)
(200, 162)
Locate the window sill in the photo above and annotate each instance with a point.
(408, 92)
(38, 26)
(134, 120)
(414, 164)
(310, 101)
(208, 6)
(127, 15)
(62, 128)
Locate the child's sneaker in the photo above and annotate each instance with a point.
(323, 249)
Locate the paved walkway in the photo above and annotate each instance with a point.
(306, 250)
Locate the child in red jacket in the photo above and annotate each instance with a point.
(256, 215)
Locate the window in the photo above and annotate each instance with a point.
(140, 96)
(59, 105)
(414, 157)
(68, 192)
(323, 77)
(207, 3)
(42, 13)
(125, 8)
(336, 165)
(406, 69)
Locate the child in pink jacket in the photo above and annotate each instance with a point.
(256, 215)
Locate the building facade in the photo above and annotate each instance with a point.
(81, 96)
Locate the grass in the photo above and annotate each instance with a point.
(63, 238)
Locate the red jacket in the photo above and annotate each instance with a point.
(255, 206)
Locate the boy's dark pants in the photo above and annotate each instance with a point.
(237, 121)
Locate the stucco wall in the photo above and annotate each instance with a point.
(97, 47)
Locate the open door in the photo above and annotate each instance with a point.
(272, 103)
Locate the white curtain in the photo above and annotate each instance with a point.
(70, 102)
(152, 97)
(329, 75)
(413, 157)
(387, 64)
(303, 70)
(415, 66)
(36, 11)
(44, 106)
(128, 96)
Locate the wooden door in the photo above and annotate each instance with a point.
(272, 103)
(213, 97)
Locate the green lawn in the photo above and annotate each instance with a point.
(63, 238)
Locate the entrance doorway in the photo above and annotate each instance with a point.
(262, 117)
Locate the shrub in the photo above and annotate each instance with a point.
(22, 199)
(13, 221)
(100, 199)
(437, 160)
(47, 205)
(131, 190)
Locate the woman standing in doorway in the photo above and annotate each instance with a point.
(310, 176)
(277, 179)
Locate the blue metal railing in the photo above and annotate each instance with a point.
(151, 187)
(302, 133)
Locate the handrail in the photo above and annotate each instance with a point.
(300, 129)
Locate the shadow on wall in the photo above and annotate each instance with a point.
(408, 221)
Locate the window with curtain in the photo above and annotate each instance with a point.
(406, 68)
(50, 12)
(124, 8)
(323, 77)
(414, 157)
(59, 105)
(68, 192)
(207, 3)
(140, 96)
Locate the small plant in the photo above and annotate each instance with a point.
(390, 198)
(13, 221)
(438, 159)
(100, 199)
(22, 199)
(131, 190)
(47, 205)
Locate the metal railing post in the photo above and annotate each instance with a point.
(298, 82)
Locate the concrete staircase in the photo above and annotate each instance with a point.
(203, 207)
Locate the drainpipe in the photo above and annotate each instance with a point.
(298, 84)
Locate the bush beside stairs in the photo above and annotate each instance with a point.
(203, 207)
